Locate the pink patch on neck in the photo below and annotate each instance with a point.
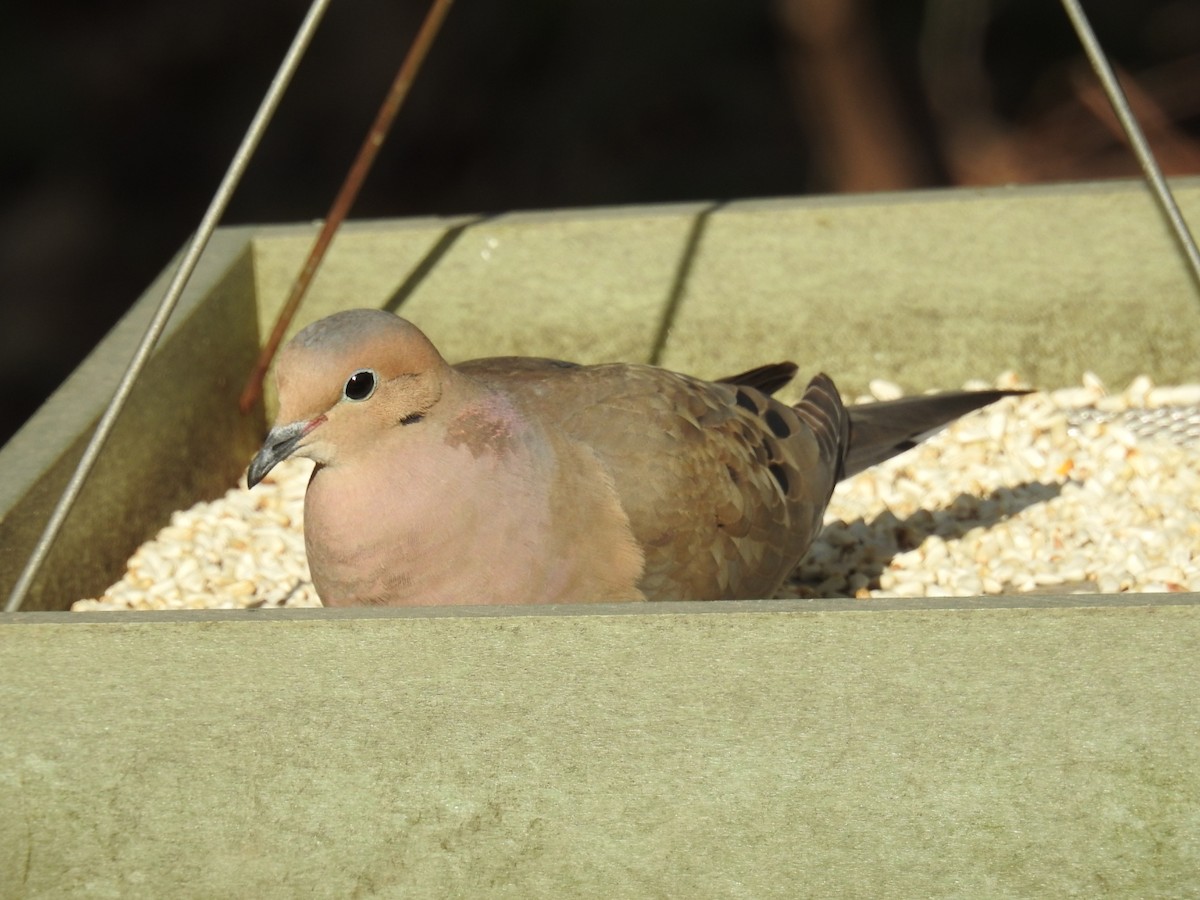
(487, 425)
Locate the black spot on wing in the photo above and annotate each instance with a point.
(745, 401)
(776, 423)
(780, 476)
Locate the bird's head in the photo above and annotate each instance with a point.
(346, 379)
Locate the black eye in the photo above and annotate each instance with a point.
(360, 385)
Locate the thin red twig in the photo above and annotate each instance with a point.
(347, 195)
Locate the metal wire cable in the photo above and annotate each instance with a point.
(195, 249)
(409, 67)
(1137, 140)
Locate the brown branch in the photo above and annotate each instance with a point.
(1177, 153)
(347, 195)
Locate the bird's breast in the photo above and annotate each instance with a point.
(456, 521)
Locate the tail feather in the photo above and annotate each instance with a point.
(879, 431)
(822, 409)
(768, 378)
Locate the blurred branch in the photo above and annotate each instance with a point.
(860, 137)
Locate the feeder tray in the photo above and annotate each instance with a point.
(978, 746)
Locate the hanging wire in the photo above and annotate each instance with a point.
(346, 196)
(1137, 140)
(166, 306)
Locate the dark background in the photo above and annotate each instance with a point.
(120, 118)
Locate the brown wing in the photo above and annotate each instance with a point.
(724, 487)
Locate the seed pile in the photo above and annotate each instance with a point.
(245, 549)
(1070, 491)
(1073, 490)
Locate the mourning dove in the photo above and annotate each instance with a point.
(519, 480)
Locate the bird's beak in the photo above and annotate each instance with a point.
(279, 445)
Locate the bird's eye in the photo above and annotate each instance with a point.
(360, 385)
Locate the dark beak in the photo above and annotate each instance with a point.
(278, 446)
